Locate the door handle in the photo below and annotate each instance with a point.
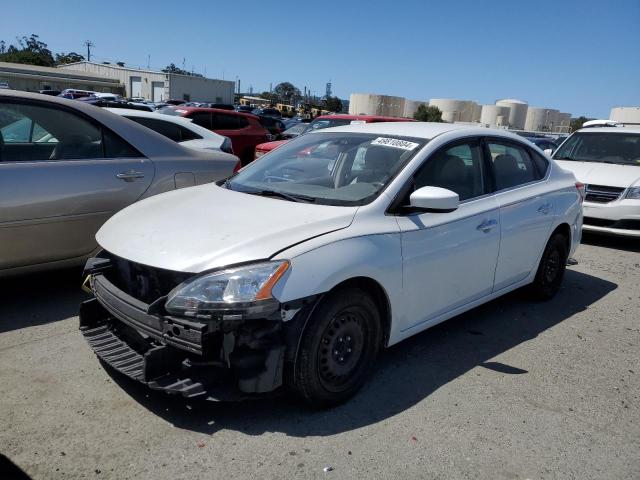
(544, 209)
(487, 226)
(129, 176)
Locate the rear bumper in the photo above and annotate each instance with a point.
(219, 362)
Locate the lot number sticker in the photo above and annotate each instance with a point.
(394, 143)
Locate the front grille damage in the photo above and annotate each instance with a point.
(127, 328)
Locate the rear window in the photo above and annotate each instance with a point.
(225, 122)
(202, 118)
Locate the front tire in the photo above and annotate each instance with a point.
(551, 269)
(338, 348)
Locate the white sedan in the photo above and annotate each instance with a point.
(607, 161)
(178, 129)
(302, 266)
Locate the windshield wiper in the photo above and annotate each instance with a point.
(286, 196)
(563, 158)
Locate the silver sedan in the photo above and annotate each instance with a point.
(66, 167)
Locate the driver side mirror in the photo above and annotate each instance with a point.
(548, 151)
(434, 199)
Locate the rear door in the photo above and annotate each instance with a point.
(60, 184)
(526, 208)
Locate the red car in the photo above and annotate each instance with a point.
(326, 121)
(243, 129)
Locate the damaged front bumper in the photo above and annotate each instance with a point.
(219, 360)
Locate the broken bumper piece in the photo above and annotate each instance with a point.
(217, 360)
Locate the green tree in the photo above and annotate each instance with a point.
(286, 91)
(29, 50)
(172, 68)
(71, 57)
(428, 113)
(333, 104)
(576, 123)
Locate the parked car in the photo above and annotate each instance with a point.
(4, 86)
(543, 143)
(51, 92)
(245, 108)
(607, 161)
(310, 261)
(73, 94)
(273, 125)
(66, 167)
(244, 130)
(325, 121)
(176, 102)
(270, 112)
(178, 129)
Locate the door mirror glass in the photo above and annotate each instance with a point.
(548, 151)
(434, 199)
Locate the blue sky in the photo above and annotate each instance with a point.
(581, 57)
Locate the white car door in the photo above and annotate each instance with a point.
(449, 259)
(526, 209)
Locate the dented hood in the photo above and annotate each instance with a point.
(201, 228)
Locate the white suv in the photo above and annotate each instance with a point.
(607, 161)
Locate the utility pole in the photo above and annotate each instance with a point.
(148, 61)
(89, 44)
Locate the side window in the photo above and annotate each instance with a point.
(224, 122)
(168, 129)
(242, 122)
(186, 134)
(202, 118)
(116, 147)
(512, 165)
(542, 164)
(459, 168)
(31, 132)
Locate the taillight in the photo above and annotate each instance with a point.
(581, 190)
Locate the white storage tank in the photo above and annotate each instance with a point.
(490, 114)
(628, 115)
(373, 104)
(563, 122)
(454, 110)
(540, 119)
(411, 107)
(517, 113)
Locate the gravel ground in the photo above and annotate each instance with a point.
(513, 389)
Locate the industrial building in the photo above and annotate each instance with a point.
(33, 78)
(372, 104)
(626, 115)
(457, 110)
(411, 107)
(517, 112)
(495, 115)
(158, 86)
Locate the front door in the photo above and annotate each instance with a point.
(449, 259)
(60, 180)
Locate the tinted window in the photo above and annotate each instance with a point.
(242, 122)
(168, 129)
(186, 134)
(116, 147)
(512, 165)
(225, 122)
(202, 118)
(459, 168)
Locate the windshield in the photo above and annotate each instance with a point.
(296, 130)
(607, 147)
(328, 168)
(319, 123)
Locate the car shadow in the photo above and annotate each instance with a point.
(629, 244)
(406, 374)
(41, 298)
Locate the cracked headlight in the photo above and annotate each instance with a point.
(243, 290)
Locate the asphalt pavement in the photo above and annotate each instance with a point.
(514, 389)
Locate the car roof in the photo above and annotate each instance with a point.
(186, 122)
(425, 130)
(609, 130)
(216, 110)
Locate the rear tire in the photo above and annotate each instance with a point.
(338, 348)
(551, 269)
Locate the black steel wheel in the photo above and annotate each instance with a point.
(338, 348)
(551, 269)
